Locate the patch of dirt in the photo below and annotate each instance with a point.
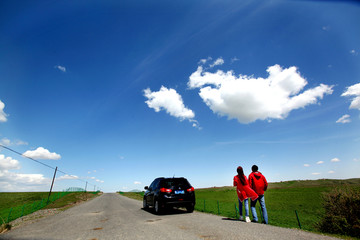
(33, 217)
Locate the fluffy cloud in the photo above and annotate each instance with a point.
(3, 115)
(137, 182)
(170, 101)
(335, 160)
(7, 163)
(13, 181)
(344, 119)
(306, 165)
(353, 91)
(61, 68)
(320, 162)
(42, 153)
(331, 172)
(316, 173)
(248, 99)
(217, 62)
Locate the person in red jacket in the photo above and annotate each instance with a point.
(244, 192)
(258, 183)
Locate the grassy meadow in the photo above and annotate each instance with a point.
(282, 199)
(17, 204)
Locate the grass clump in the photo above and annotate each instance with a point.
(133, 195)
(342, 212)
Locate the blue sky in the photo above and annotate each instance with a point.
(118, 93)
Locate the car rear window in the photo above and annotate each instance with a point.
(175, 182)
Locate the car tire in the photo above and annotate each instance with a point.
(145, 205)
(190, 208)
(157, 207)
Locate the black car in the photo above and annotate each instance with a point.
(169, 192)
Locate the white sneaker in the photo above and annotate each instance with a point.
(241, 218)
(247, 219)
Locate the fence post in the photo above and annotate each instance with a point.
(236, 211)
(22, 212)
(8, 220)
(47, 202)
(262, 219)
(298, 219)
(204, 205)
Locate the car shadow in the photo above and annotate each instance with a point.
(167, 211)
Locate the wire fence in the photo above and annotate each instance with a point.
(230, 210)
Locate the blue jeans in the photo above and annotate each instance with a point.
(261, 199)
(246, 203)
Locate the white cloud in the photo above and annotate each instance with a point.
(335, 160)
(248, 99)
(18, 178)
(5, 142)
(8, 142)
(61, 68)
(170, 101)
(344, 119)
(353, 52)
(42, 153)
(66, 176)
(20, 142)
(331, 171)
(137, 182)
(7, 163)
(326, 28)
(217, 62)
(234, 59)
(11, 181)
(354, 91)
(316, 173)
(100, 181)
(320, 162)
(3, 115)
(306, 165)
(356, 160)
(203, 61)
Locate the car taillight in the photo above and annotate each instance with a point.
(167, 190)
(190, 189)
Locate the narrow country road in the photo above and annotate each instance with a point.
(111, 216)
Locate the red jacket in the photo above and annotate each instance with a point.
(258, 182)
(244, 191)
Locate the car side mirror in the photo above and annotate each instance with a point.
(146, 187)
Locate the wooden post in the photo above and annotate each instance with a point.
(52, 184)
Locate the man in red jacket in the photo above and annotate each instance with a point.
(258, 183)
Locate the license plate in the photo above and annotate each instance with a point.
(179, 191)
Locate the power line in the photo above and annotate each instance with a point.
(44, 164)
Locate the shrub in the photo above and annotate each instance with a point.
(342, 212)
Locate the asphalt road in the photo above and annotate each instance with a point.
(111, 216)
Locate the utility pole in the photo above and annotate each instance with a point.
(85, 186)
(51, 186)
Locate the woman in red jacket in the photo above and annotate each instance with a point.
(244, 192)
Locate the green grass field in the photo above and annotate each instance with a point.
(17, 204)
(282, 199)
